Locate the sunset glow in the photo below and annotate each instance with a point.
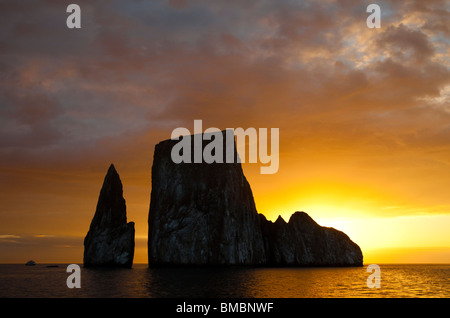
(363, 114)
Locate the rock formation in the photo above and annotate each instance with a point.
(303, 242)
(204, 214)
(201, 214)
(110, 239)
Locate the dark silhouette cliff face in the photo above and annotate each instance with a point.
(303, 242)
(110, 239)
(204, 214)
(201, 214)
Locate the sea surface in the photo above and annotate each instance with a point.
(400, 280)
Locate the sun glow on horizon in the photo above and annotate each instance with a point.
(388, 231)
(363, 115)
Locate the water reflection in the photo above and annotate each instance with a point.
(232, 282)
(253, 282)
(203, 282)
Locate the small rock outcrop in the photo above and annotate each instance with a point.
(110, 239)
(204, 214)
(303, 242)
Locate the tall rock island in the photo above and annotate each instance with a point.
(110, 239)
(201, 214)
(204, 214)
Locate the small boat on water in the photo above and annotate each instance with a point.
(30, 263)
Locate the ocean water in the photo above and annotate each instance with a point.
(397, 281)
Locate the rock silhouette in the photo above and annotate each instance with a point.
(303, 242)
(201, 214)
(110, 239)
(205, 214)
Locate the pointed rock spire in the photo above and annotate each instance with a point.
(110, 240)
(111, 208)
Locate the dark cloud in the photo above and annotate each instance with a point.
(406, 44)
(153, 61)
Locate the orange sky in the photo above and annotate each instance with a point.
(364, 114)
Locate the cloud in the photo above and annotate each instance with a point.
(9, 236)
(265, 57)
(405, 44)
(10, 239)
(75, 99)
(137, 66)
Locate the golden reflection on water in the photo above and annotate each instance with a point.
(235, 282)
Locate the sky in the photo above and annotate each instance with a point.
(363, 114)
